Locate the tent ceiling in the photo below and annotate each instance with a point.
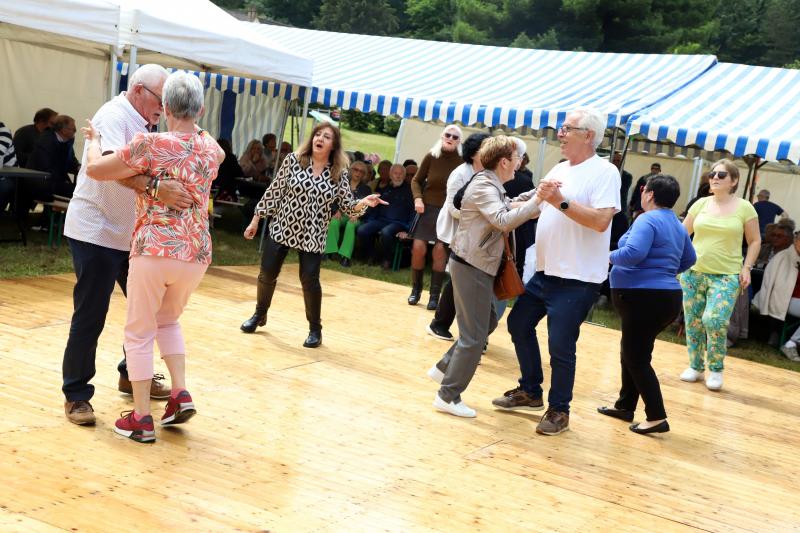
(741, 109)
(481, 84)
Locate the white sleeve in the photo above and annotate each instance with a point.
(606, 190)
(112, 131)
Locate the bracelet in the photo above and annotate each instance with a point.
(148, 189)
(748, 267)
(155, 188)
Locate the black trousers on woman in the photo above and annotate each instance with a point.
(644, 313)
(272, 258)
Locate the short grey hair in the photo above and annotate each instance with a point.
(592, 120)
(150, 75)
(183, 95)
(521, 146)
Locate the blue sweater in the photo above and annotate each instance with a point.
(654, 250)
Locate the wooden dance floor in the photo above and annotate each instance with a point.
(343, 438)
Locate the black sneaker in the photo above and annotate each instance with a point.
(439, 332)
(518, 400)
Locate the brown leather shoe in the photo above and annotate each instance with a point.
(553, 423)
(159, 390)
(79, 412)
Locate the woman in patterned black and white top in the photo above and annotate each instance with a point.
(298, 204)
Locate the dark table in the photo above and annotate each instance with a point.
(20, 174)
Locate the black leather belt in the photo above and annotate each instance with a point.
(454, 257)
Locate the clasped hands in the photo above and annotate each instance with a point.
(549, 190)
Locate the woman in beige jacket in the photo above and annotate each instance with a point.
(477, 250)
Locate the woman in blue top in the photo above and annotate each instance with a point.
(647, 296)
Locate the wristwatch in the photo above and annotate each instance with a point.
(564, 205)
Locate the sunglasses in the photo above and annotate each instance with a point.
(451, 136)
(718, 174)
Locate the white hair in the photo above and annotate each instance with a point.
(592, 120)
(148, 75)
(436, 151)
(183, 95)
(521, 146)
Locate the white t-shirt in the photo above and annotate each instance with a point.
(104, 212)
(565, 248)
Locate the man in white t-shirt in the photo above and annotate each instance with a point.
(99, 225)
(572, 247)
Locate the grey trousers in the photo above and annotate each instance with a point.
(473, 295)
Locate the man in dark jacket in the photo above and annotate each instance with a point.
(54, 154)
(25, 137)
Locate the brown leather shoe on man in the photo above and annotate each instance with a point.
(553, 422)
(518, 400)
(79, 412)
(159, 390)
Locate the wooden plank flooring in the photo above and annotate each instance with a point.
(344, 438)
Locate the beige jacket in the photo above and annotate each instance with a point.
(485, 215)
(780, 277)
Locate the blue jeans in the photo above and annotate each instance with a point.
(565, 302)
(388, 230)
(98, 269)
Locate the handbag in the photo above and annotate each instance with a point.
(507, 283)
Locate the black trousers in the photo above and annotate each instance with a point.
(272, 259)
(97, 270)
(446, 310)
(644, 313)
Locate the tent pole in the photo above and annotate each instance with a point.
(539, 170)
(613, 142)
(284, 119)
(302, 135)
(750, 165)
(112, 76)
(132, 61)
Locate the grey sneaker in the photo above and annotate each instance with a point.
(518, 400)
(553, 423)
(790, 352)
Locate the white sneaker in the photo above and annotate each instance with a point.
(790, 352)
(714, 381)
(691, 375)
(457, 409)
(436, 375)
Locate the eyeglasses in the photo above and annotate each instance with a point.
(158, 96)
(451, 136)
(718, 174)
(563, 130)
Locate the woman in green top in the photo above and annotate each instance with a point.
(711, 286)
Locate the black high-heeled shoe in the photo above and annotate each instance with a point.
(250, 325)
(661, 427)
(622, 414)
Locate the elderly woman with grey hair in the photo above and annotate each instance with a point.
(171, 250)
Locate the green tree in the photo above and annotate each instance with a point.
(781, 29)
(431, 19)
(367, 17)
(298, 13)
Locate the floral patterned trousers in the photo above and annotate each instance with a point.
(708, 302)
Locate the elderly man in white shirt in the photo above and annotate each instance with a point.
(99, 225)
(572, 248)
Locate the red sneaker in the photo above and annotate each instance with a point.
(140, 431)
(179, 410)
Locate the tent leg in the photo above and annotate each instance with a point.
(284, 119)
(112, 75)
(539, 170)
(132, 62)
(302, 135)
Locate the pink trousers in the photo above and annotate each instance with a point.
(158, 290)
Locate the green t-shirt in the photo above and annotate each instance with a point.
(718, 239)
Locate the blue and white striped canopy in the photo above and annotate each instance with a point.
(473, 84)
(741, 109)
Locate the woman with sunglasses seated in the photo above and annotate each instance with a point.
(429, 187)
(647, 297)
(712, 285)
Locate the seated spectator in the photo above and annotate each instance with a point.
(344, 247)
(411, 169)
(26, 136)
(54, 154)
(286, 149)
(8, 158)
(229, 170)
(780, 292)
(382, 183)
(270, 142)
(767, 211)
(777, 237)
(253, 161)
(388, 220)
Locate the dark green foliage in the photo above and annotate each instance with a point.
(391, 125)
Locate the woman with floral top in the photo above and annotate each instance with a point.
(171, 249)
(298, 203)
